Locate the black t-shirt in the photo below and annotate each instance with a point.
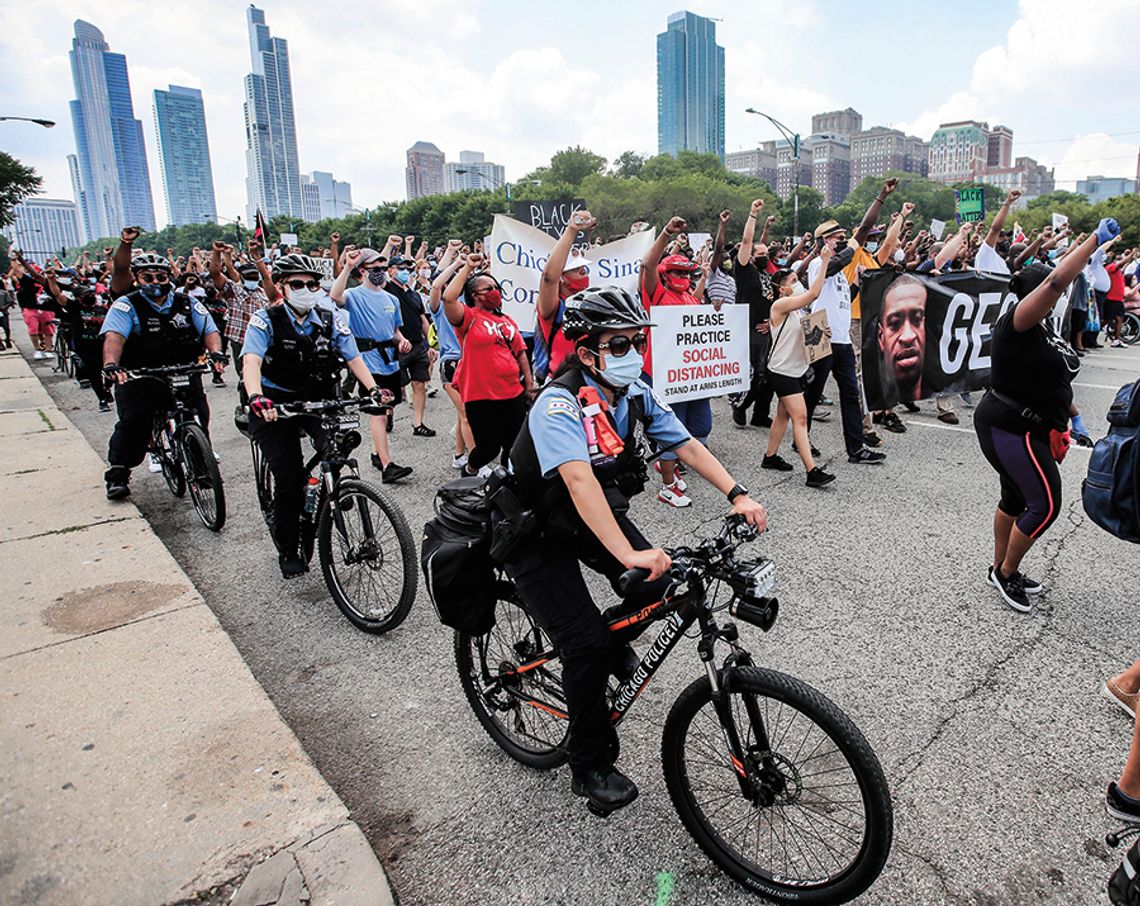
(411, 311)
(755, 289)
(1036, 368)
(27, 292)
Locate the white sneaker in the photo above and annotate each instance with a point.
(1118, 344)
(458, 462)
(37, 355)
(152, 464)
(674, 496)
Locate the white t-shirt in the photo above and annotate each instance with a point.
(989, 260)
(835, 299)
(1100, 280)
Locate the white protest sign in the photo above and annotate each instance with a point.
(697, 240)
(1059, 220)
(698, 351)
(288, 238)
(937, 228)
(518, 253)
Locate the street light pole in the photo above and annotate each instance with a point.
(47, 124)
(794, 140)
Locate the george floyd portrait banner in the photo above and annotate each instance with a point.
(518, 254)
(928, 335)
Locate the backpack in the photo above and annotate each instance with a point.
(1111, 492)
(455, 554)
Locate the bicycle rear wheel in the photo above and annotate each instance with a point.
(203, 477)
(815, 824)
(165, 450)
(1130, 329)
(263, 482)
(367, 556)
(524, 713)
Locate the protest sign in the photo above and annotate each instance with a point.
(518, 254)
(970, 204)
(288, 239)
(697, 241)
(816, 340)
(928, 335)
(937, 228)
(699, 352)
(551, 216)
(1059, 220)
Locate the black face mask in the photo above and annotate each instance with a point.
(761, 261)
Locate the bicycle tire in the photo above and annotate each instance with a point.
(1130, 328)
(171, 466)
(263, 483)
(375, 553)
(849, 744)
(541, 742)
(203, 477)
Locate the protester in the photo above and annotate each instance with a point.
(754, 288)
(450, 352)
(1114, 298)
(7, 301)
(1022, 423)
(494, 375)
(239, 289)
(566, 272)
(36, 309)
(415, 364)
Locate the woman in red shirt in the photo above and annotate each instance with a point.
(493, 373)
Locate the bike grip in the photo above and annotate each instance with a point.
(631, 578)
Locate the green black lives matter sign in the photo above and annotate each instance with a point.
(970, 204)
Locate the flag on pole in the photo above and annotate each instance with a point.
(261, 229)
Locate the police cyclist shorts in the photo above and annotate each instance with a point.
(393, 382)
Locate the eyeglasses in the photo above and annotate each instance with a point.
(159, 277)
(621, 344)
(314, 285)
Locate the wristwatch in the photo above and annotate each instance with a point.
(738, 490)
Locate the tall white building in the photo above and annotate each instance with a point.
(473, 172)
(44, 227)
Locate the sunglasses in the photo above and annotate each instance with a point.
(375, 270)
(313, 285)
(620, 345)
(160, 277)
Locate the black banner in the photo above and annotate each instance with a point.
(551, 216)
(928, 335)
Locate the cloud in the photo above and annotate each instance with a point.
(1095, 155)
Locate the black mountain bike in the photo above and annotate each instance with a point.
(772, 780)
(366, 551)
(183, 448)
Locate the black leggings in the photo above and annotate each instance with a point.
(549, 581)
(494, 424)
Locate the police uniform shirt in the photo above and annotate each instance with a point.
(124, 320)
(259, 337)
(555, 423)
(374, 315)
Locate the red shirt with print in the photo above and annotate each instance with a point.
(560, 347)
(1115, 282)
(488, 369)
(662, 296)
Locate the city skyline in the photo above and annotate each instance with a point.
(545, 94)
(184, 151)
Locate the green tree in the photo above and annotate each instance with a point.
(569, 167)
(628, 165)
(17, 182)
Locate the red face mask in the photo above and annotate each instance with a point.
(491, 298)
(679, 283)
(576, 283)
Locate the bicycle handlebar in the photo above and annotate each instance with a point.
(736, 531)
(168, 370)
(305, 407)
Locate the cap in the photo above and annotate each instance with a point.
(576, 260)
(401, 261)
(368, 256)
(828, 226)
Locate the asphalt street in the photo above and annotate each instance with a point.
(995, 741)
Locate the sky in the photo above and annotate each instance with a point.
(519, 80)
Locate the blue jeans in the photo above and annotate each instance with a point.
(696, 415)
(841, 363)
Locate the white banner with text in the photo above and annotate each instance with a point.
(698, 351)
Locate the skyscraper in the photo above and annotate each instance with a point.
(477, 173)
(273, 176)
(424, 172)
(323, 197)
(690, 86)
(958, 151)
(187, 178)
(112, 173)
(42, 227)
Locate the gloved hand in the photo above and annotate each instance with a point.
(262, 406)
(1059, 444)
(114, 373)
(219, 360)
(382, 396)
(1107, 229)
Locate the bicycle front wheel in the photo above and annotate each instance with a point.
(203, 477)
(1130, 329)
(367, 556)
(811, 821)
(516, 696)
(166, 451)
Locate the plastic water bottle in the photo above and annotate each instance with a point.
(311, 494)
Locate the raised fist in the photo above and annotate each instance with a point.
(129, 234)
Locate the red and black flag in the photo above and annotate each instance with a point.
(261, 229)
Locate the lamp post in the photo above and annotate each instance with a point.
(47, 124)
(483, 176)
(793, 138)
(520, 182)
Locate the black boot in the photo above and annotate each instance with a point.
(118, 480)
(292, 566)
(606, 789)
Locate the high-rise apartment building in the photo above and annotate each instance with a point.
(273, 175)
(759, 162)
(1026, 174)
(110, 169)
(187, 177)
(999, 148)
(472, 173)
(838, 122)
(877, 150)
(42, 227)
(1099, 188)
(690, 86)
(830, 165)
(786, 168)
(424, 172)
(959, 152)
(323, 197)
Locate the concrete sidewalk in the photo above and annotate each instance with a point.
(141, 762)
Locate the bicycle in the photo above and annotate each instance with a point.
(751, 757)
(183, 448)
(1130, 328)
(372, 586)
(61, 347)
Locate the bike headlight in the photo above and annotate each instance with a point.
(350, 440)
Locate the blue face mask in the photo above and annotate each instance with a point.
(782, 262)
(872, 247)
(621, 371)
(251, 285)
(1052, 254)
(403, 276)
(154, 290)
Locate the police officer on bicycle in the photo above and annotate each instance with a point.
(294, 352)
(577, 461)
(151, 327)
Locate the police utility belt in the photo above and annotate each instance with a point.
(386, 348)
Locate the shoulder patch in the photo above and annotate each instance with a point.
(341, 325)
(256, 321)
(200, 308)
(559, 405)
(657, 398)
(121, 305)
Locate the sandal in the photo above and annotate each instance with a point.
(423, 431)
